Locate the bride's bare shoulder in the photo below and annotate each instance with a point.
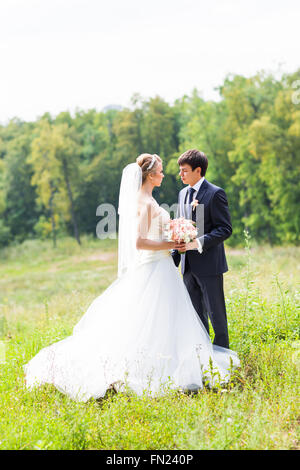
(147, 204)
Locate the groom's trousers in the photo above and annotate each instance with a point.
(207, 295)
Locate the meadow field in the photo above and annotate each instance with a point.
(43, 293)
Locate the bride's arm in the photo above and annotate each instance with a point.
(145, 244)
(142, 242)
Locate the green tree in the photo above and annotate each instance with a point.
(18, 196)
(47, 176)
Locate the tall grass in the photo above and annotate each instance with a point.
(43, 293)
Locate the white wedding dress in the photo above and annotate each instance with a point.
(143, 331)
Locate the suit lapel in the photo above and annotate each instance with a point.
(202, 191)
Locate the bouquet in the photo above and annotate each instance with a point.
(181, 230)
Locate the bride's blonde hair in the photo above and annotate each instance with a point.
(148, 164)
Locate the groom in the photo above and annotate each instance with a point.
(204, 261)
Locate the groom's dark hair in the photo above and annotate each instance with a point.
(195, 159)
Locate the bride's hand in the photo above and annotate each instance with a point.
(180, 246)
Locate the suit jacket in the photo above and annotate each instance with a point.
(217, 227)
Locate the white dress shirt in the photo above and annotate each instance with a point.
(197, 187)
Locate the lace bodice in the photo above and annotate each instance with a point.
(156, 232)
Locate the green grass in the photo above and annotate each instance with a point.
(44, 292)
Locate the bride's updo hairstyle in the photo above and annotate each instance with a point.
(148, 164)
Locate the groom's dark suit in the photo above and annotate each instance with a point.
(203, 272)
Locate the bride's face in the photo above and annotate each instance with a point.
(158, 176)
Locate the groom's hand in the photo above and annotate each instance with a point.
(192, 245)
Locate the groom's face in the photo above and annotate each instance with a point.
(188, 175)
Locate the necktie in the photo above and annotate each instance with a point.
(190, 199)
(191, 192)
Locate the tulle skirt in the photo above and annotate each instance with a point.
(142, 333)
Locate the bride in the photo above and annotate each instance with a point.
(142, 333)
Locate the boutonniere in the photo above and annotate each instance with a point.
(194, 204)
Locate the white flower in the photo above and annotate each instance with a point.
(194, 204)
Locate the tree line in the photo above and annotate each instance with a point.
(56, 171)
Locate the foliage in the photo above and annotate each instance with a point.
(60, 169)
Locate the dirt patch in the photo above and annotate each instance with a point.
(81, 259)
(97, 257)
(235, 252)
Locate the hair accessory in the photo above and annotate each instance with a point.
(152, 162)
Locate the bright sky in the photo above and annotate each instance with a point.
(59, 55)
